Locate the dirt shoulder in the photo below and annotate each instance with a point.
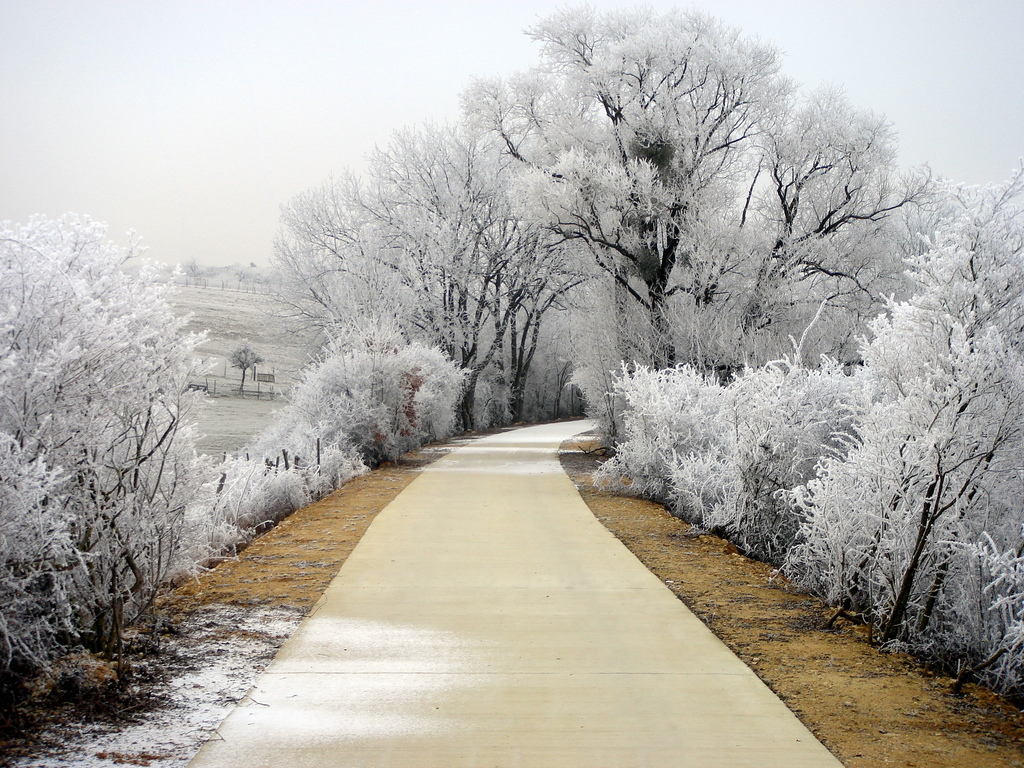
(292, 564)
(869, 708)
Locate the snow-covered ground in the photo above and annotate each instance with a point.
(213, 662)
(227, 423)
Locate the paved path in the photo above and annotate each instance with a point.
(487, 619)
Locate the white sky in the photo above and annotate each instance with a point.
(193, 122)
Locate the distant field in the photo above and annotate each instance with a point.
(230, 317)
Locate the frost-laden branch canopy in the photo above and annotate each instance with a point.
(654, 191)
(699, 178)
(432, 231)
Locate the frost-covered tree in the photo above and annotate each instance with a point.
(629, 128)
(719, 202)
(827, 212)
(431, 230)
(892, 488)
(936, 463)
(244, 357)
(97, 461)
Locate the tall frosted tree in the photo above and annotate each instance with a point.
(630, 125)
(431, 229)
(675, 151)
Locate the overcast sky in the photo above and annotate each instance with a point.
(193, 122)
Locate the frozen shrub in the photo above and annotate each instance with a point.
(703, 484)
(786, 418)
(1001, 664)
(248, 496)
(724, 457)
(669, 415)
(936, 464)
(252, 492)
(98, 465)
(377, 394)
(35, 546)
(102, 496)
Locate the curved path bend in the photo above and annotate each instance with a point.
(488, 619)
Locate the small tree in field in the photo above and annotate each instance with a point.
(245, 357)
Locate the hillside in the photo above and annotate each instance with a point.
(230, 317)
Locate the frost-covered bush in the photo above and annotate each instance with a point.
(1002, 661)
(102, 496)
(668, 416)
(937, 464)
(35, 545)
(97, 463)
(250, 494)
(786, 418)
(377, 394)
(724, 456)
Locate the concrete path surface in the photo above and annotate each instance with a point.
(488, 619)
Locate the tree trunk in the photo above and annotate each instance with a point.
(928, 516)
(522, 360)
(933, 595)
(663, 346)
(466, 414)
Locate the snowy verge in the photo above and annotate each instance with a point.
(211, 662)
